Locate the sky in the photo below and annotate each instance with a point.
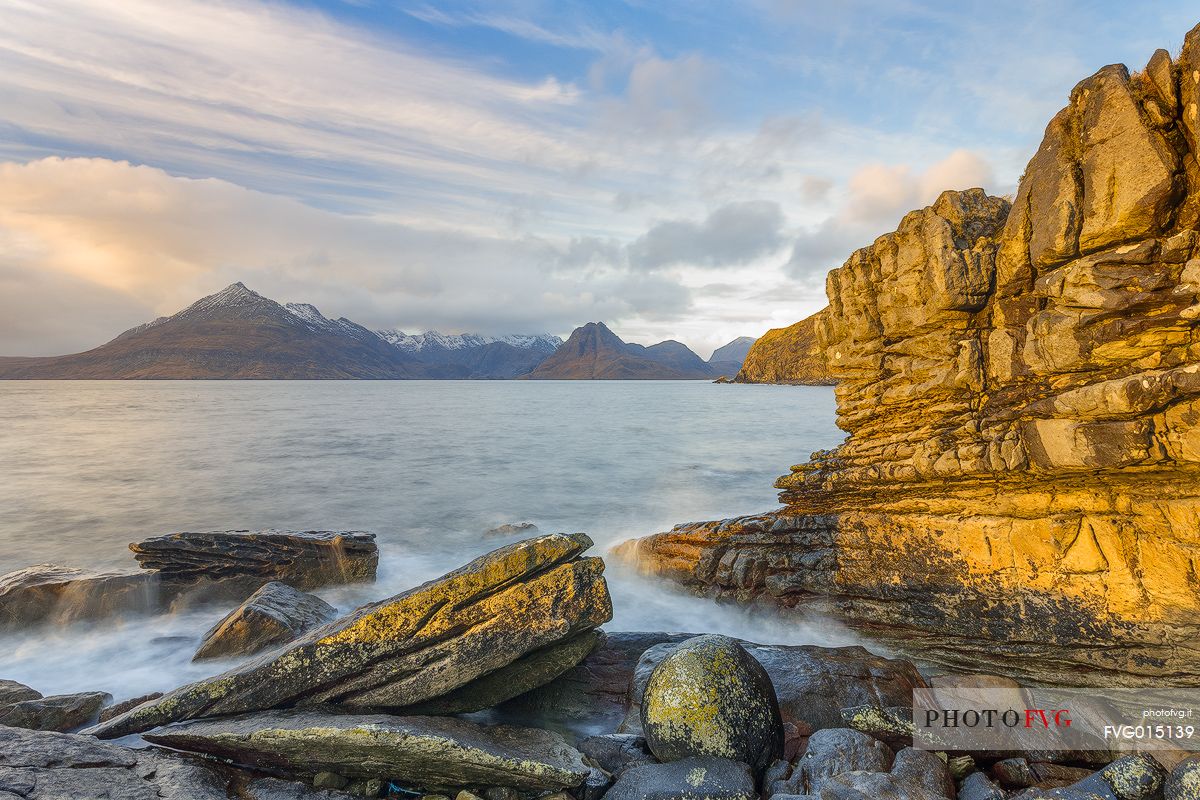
(678, 169)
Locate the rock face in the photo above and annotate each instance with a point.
(709, 697)
(233, 560)
(1021, 480)
(469, 623)
(36, 765)
(49, 593)
(426, 752)
(788, 355)
(274, 614)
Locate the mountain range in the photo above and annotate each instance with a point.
(238, 333)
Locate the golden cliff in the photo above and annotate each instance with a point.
(1020, 487)
(788, 355)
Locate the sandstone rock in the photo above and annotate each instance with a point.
(513, 529)
(242, 561)
(470, 622)
(1018, 387)
(425, 752)
(13, 692)
(50, 593)
(813, 684)
(688, 779)
(62, 712)
(787, 355)
(1184, 781)
(832, 752)
(709, 697)
(274, 614)
(38, 765)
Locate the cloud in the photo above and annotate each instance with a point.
(129, 243)
(732, 234)
(877, 197)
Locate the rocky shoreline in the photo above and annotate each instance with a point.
(495, 682)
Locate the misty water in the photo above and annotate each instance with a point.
(428, 466)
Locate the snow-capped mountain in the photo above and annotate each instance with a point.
(239, 333)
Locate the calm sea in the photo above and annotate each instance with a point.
(88, 467)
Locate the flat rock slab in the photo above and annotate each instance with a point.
(412, 647)
(303, 559)
(61, 712)
(426, 752)
(52, 593)
(704, 778)
(274, 614)
(39, 765)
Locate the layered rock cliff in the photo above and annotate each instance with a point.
(1021, 389)
(788, 355)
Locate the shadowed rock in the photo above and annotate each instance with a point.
(426, 752)
(274, 614)
(703, 778)
(413, 647)
(51, 593)
(225, 562)
(62, 712)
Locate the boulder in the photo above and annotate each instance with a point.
(39, 765)
(469, 623)
(51, 593)
(705, 778)
(709, 697)
(915, 775)
(435, 753)
(13, 692)
(831, 752)
(813, 684)
(976, 786)
(62, 712)
(274, 614)
(1184, 781)
(616, 752)
(198, 565)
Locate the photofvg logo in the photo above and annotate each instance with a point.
(1004, 719)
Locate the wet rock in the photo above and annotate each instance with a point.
(834, 751)
(39, 765)
(54, 594)
(1132, 777)
(709, 697)
(595, 786)
(976, 786)
(513, 529)
(116, 709)
(704, 778)
(1184, 780)
(528, 672)
(274, 614)
(429, 752)
(1020, 773)
(224, 563)
(277, 789)
(813, 684)
(470, 622)
(13, 692)
(63, 712)
(616, 752)
(915, 775)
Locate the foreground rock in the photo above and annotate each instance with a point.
(1020, 388)
(274, 614)
(245, 560)
(36, 765)
(709, 697)
(62, 712)
(13, 692)
(704, 778)
(469, 623)
(424, 752)
(51, 593)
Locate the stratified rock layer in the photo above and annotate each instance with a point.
(1021, 386)
(425, 752)
(50, 593)
(788, 355)
(418, 645)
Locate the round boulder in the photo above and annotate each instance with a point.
(1184, 781)
(709, 697)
